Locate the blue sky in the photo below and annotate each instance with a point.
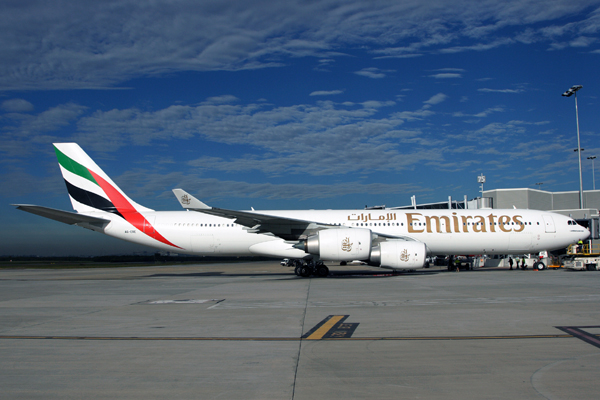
(291, 104)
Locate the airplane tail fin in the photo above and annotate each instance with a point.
(90, 189)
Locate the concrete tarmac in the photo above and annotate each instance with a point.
(256, 331)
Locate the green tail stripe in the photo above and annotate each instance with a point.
(74, 166)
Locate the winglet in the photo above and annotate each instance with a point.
(188, 201)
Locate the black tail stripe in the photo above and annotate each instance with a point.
(91, 199)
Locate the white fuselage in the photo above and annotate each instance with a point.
(483, 231)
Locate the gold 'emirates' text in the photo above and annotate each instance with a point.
(417, 223)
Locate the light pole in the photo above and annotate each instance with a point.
(481, 179)
(593, 172)
(539, 184)
(569, 93)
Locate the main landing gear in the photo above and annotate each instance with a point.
(307, 268)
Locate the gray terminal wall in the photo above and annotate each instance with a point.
(566, 203)
(542, 200)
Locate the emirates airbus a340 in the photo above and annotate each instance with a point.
(394, 239)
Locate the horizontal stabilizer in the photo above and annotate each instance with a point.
(66, 217)
(188, 201)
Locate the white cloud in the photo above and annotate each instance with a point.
(583, 41)
(486, 113)
(414, 115)
(326, 92)
(436, 99)
(293, 139)
(16, 105)
(458, 70)
(64, 44)
(224, 99)
(211, 190)
(47, 121)
(374, 73)
(446, 75)
(479, 46)
(488, 90)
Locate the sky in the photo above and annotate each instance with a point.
(326, 104)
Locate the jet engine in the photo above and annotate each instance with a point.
(339, 244)
(357, 244)
(399, 254)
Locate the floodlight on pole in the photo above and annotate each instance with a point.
(593, 172)
(481, 179)
(573, 91)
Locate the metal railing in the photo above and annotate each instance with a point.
(584, 250)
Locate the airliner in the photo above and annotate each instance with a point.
(387, 238)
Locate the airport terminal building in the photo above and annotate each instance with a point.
(566, 203)
(542, 200)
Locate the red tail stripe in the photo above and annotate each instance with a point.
(127, 210)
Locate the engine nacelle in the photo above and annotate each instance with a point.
(340, 244)
(399, 254)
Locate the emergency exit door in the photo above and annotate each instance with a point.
(549, 223)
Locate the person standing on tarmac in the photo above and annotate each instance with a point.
(523, 265)
(510, 262)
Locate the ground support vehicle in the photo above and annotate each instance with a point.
(583, 257)
(461, 263)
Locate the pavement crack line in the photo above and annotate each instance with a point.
(300, 341)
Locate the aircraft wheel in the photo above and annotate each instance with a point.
(539, 265)
(305, 271)
(297, 270)
(323, 271)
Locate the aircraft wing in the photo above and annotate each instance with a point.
(283, 227)
(66, 217)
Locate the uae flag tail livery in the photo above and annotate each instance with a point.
(92, 192)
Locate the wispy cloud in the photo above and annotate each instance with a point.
(326, 92)
(294, 139)
(24, 125)
(479, 46)
(106, 43)
(373, 73)
(16, 105)
(485, 113)
(436, 99)
(446, 75)
(488, 90)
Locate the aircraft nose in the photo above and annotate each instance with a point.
(586, 234)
